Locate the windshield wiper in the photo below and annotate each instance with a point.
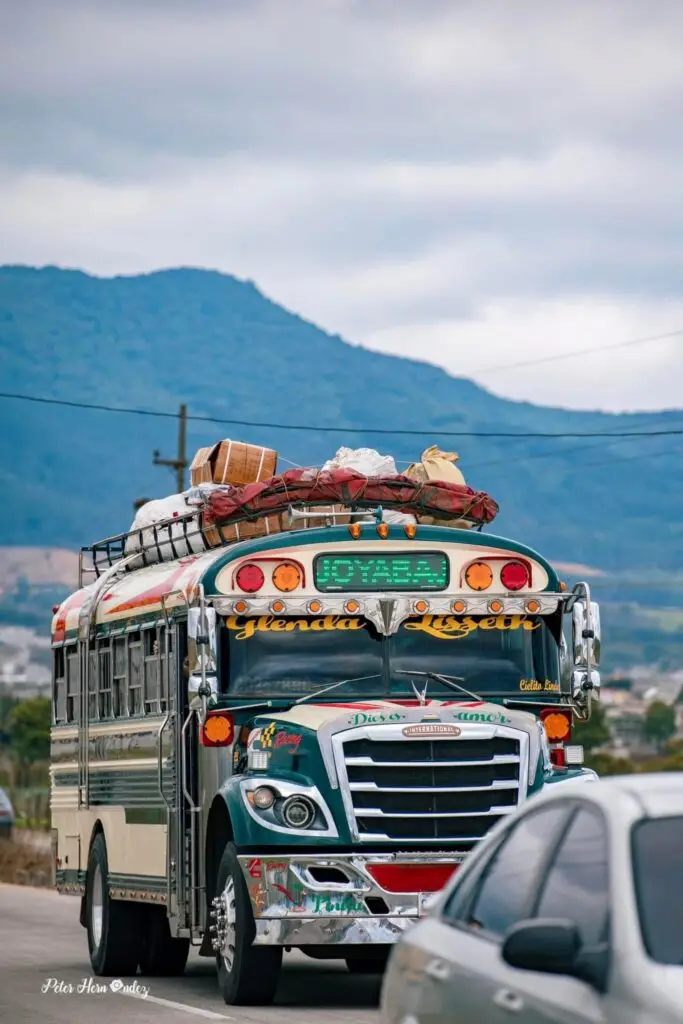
(334, 686)
(452, 681)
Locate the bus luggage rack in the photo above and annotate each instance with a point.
(161, 542)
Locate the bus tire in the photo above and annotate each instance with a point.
(113, 926)
(162, 955)
(247, 975)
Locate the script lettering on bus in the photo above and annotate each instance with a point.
(245, 628)
(449, 627)
(536, 686)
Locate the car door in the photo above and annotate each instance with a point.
(461, 948)
(575, 886)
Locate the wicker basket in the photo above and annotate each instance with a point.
(232, 462)
(218, 534)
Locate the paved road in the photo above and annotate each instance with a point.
(41, 939)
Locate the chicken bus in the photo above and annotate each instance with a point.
(292, 742)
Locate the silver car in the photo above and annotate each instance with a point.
(571, 910)
(6, 816)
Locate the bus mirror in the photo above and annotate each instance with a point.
(586, 634)
(565, 664)
(201, 634)
(585, 685)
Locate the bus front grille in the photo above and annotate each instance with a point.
(430, 790)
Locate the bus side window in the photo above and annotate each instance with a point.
(152, 670)
(104, 687)
(93, 673)
(58, 686)
(167, 667)
(119, 702)
(135, 706)
(72, 685)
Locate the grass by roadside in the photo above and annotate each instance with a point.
(23, 864)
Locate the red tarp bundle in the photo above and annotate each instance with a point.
(347, 487)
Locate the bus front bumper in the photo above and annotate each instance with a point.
(334, 899)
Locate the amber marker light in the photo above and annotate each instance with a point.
(218, 730)
(479, 576)
(421, 607)
(383, 530)
(355, 530)
(277, 607)
(240, 607)
(314, 607)
(410, 530)
(496, 607)
(533, 606)
(458, 607)
(557, 726)
(351, 607)
(286, 577)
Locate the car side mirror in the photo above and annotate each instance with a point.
(548, 946)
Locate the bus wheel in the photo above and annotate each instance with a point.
(113, 926)
(162, 955)
(247, 974)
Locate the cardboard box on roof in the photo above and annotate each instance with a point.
(232, 462)
(229, 533)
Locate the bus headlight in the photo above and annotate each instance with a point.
(263, 798)
(298, 812)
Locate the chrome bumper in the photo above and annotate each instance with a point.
(293, 908)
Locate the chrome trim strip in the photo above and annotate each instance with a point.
(372, 787)
(367, 762)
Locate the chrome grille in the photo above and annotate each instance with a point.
(399, 789)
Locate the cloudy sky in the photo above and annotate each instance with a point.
(475, 183)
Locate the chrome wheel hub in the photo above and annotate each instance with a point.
(223, 914)
(96, 907)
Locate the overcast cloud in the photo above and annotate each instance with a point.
(472, 183)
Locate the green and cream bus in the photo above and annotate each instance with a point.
(292, 742)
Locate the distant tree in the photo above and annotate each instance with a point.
(595, 732)
(604, 764)
(660, 723)
(28, 726)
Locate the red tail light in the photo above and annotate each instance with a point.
(412, 877)
(218, 729)
(249, 578)
(514, 575)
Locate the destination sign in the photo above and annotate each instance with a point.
(407, 571)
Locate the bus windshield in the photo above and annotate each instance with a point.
(514, 656)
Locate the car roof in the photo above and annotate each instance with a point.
(654, 794)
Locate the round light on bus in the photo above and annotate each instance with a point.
(249, 578)
(514, 575)
(240, 607)
(533, 606)
(263, 798)
(314, 607)
(459, 607)
(351, 607)
(479, 576)
(298, 812)
(286, 577)
(277, 607)
(557, 726)
(496, 607)
(421, 607)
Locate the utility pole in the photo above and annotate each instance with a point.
(180, 463)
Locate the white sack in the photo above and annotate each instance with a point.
(370, 463)
(172, 539)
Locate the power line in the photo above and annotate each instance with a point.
(554, 453)
(310, 428)
(580, 352)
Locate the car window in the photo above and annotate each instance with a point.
(576, 885)
(4, 800)
(512, 875)
(657, 853)
(463, 889)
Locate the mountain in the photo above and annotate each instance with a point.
(69, 475)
